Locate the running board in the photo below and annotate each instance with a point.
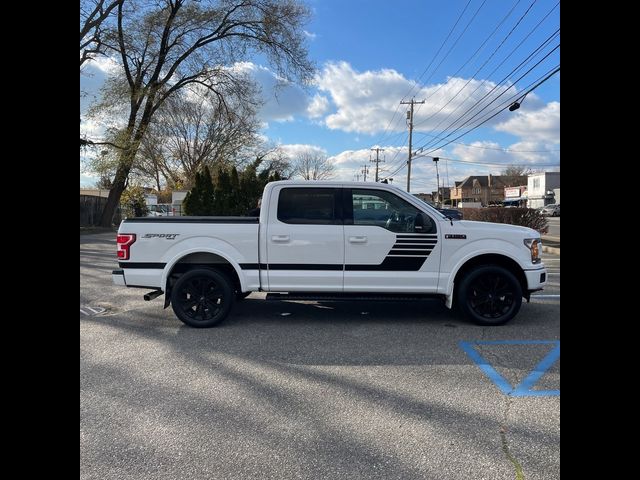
(337, 297)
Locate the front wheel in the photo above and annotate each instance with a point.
(202, 298)
(490, 295)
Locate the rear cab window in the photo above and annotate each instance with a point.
(312, 206)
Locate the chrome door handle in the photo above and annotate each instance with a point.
(280, 238)
(361, 239)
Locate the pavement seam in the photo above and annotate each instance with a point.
(505, 445)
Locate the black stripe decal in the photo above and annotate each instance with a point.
(424, 253)
(302, 266)
(398, 264)
(416, 241)
(251, 266)
(418, 235)
(141, 265)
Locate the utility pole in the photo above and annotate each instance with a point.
(365, 170)
(377, 160)
(410, 119)
(435, 159)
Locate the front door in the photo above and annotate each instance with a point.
(384, 252)
(305, 240)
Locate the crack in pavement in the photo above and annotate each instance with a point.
(505, 445)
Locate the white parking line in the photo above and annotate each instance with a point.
(546, 296)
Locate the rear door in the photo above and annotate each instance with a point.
(305, 239)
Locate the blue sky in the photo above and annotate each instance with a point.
(373, 54)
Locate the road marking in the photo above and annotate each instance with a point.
(547, 295)
(524, 389)
(92, 311)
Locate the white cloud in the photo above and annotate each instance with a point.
(294, 150)
(318, 106)
(535, 125)
(282, 101)
(366, 102)
(106, 65)
(310, 35)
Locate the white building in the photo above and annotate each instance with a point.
(540, 188)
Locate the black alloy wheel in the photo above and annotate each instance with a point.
(202, 298)
(490, 295)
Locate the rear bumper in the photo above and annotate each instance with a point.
(117, 277)
(536, 279)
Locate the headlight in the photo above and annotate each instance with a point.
(535, 246)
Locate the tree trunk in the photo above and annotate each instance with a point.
(117, 187)
(125, 162)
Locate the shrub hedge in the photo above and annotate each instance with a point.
(526, 217)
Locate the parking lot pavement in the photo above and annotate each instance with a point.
(364, 390)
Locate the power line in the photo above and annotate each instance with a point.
(474, 54)
(499, 110)
(439, 138)
(506, 150)
(471, 77)
(422, 74)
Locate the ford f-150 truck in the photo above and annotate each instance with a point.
(331, 240)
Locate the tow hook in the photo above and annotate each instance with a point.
(152, 295)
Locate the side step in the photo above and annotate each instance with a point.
(337, 297)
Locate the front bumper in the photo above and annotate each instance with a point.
(117, 277)
(536, 279)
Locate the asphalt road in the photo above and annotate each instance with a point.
(305, 390)
(554, 227)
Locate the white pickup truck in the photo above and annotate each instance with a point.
(331, 240)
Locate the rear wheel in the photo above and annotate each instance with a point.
(490, 295)
(202, 298)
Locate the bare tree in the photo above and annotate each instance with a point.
(165, 45)
(516, 171)
(313, 165)
(93, 14)
(191, 131)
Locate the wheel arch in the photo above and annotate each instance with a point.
(200, 259)
(489, 259)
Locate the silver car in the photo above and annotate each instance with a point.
(552, 210)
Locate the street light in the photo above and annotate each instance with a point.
(435, 159)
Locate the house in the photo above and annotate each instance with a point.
(486, 189)
(540, 188)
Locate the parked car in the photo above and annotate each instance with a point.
(551, 209)
(160, 210)
(452, 213)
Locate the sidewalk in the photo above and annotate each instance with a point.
(551, 244)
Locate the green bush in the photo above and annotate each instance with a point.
(200, 200)
(525, 217)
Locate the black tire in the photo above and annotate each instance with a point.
(489, 295)
(202, 297)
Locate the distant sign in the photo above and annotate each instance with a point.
(512, 192)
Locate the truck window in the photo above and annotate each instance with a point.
(317, 206)
(386, 210)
